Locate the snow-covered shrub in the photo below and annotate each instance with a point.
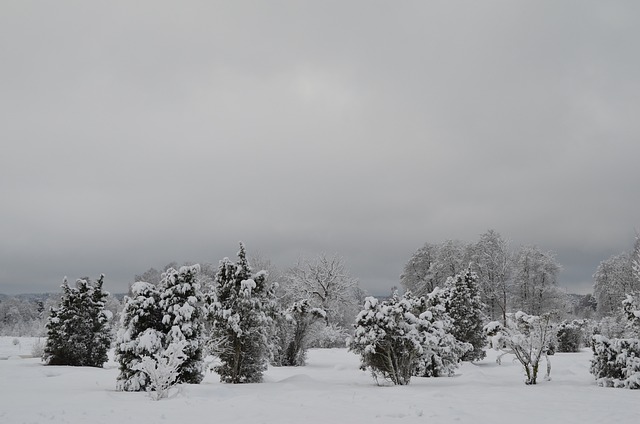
(141, 335)
(180, 302)
(77, 331)
(527, 337)
(616, 362)
(464, 306)
(240, 309)
(389, 338)
(162, 369)
(570, 336)
(294, 327)
(402, 337)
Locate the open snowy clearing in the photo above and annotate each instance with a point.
(330, 389)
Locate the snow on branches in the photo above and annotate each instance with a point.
(405, 336)
(527, 337)
(616, 362)
(78, 331)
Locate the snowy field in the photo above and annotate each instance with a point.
(331, 389)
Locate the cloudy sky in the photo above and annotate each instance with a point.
(138, 133)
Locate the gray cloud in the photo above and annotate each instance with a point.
(137, 134)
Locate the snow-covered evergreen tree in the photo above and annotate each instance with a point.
(78, 331)
(464, 306)
(180, 301)
(141, 313)
(443, 351)
(241, 308)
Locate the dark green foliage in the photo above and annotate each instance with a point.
(241, 307)
(77, 331)
(464, 306)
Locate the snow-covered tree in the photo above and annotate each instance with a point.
(613, 279)
(570, 335)
(325, 282)
(464, 306)
(402, 337)
(443, 351)
(616, 361)
(535, 281)
(635, 262)
(492, 261)
(293, 330)
(241, 309)
(631, 308)
(180, 301)
(389, 338)
(141, 314)
(78, 331)
(431, 265)
(528, 337)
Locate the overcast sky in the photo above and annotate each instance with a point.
(138, 133)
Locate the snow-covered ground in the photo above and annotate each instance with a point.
(331, 389)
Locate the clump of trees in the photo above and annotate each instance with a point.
(78, 332)
(508, 280)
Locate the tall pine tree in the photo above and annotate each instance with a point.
(180, 300)
(240, 311)
(464, 306)
(78, 332)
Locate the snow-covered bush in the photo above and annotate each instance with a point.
(570, 336)
(240, 309)
(294, 328)
(162, 369)
(180, 302)
(402, 337)
(389, 338)
(465, 308)
(141, 335)
(77, 330)
(527, 337)
(616, 362)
